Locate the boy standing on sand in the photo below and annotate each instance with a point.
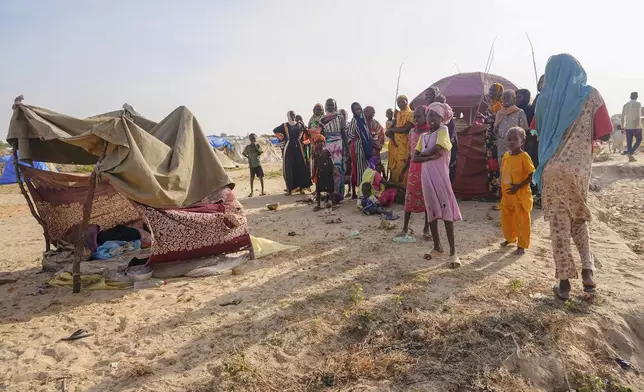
(252, 153)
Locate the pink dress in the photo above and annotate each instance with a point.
(437, 188)
(414, 201)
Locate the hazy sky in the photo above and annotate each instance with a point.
(241, 65)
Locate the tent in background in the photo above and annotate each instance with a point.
(465, 94)
(9, 172)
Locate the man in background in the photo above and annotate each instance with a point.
(632, 124)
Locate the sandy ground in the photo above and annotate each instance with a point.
(341, 313)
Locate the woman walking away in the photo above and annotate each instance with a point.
(297, 174)
(359, 146)
(570, 116)
(433, 152)
(399, 141)
(334, 131)
(414, 201)
(506, 118)
(494, 105)
(377, 131)
(516, 204)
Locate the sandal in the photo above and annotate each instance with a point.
(589, 287)
(558, 294)
(454, 262)
(434, 254)
(404, 239)
(79, 334)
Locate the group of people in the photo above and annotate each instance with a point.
(540, 148)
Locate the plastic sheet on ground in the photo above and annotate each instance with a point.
(264, 247)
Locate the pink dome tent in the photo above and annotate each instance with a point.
(464, 90)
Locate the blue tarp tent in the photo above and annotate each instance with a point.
(9, 173)
(219, 142)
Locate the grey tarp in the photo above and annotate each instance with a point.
(164, 165)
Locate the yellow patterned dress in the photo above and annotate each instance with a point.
(399, 153)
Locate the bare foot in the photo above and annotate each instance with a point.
(520, 252)
(562, 290)
(250, 194)
(263, 193)
(317, 208)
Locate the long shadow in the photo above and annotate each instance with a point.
(379, 276)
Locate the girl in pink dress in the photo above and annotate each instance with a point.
(414, 201)
(433, 151)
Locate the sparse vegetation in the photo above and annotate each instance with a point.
(516, 285)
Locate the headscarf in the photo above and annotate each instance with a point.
(405, 115)
(497, 104)
(563, 95)
(526, 107)
(363, 130)
(503, 113)
(317, 137)
(314, 121)
(290, 115)
(373, 162)
(443, 110)
(335, 106)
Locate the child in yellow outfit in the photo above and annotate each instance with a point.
(516, 203)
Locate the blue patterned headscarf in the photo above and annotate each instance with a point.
(560, 102)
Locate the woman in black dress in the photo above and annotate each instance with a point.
(297, 174)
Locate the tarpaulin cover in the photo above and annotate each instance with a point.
(471, 180)
(9, 173)
(218, 142)
(162, 165)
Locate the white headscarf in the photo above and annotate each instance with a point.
(290, 115)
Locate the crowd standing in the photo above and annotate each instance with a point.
(537, 153)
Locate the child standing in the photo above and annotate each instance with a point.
(390, 119)
(322, 170)
(516, 203)
(433, 151)
(414, 201)
(252, 153)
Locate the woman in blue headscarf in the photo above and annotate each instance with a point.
(570, 115)
(359, 146)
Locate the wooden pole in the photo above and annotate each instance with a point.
(534, 62)
(87, 212)
(29, 202)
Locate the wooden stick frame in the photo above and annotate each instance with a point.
(29, 201)
(87, 212)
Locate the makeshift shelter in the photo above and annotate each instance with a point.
(271, 152)
(465, 92)
(9, 172)
(470, 180)
(165, 174)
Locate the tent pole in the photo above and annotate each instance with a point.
(87, 212)
(29, 202)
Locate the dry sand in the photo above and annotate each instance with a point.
(340, 314)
